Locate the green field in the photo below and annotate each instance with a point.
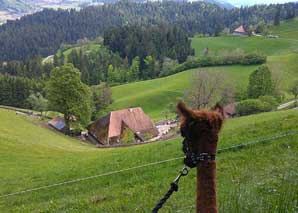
(260, 178)
(286, 43)
(267, 46)
(287, 29)
(89, 47)
(154, 95)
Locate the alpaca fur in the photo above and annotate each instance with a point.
(204, 138)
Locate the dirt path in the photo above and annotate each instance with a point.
(285, 105)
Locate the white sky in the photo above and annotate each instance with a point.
(252, 2)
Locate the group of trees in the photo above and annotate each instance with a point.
(261, 93)
(29, 68)
(158, 42)
(44, 32)
(130, 54)
(93, 65)
(14, 91)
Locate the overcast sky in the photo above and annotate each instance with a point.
(252, 2)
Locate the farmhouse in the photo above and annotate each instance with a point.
(123, 126)
(240, 31)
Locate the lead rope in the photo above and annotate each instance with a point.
(173, 188)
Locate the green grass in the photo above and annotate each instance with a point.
(263, 178)
(287, 29)
(266, 46)
(89, 47)
(285, 44)
(154, 95)
(286, 66)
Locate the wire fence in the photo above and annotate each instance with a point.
(231, 148)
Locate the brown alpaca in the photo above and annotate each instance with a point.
(203, 134)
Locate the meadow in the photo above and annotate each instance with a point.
(155, 95)
(260, 178)
(285, 44)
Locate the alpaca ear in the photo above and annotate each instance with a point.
(182, 110)
(218, 108)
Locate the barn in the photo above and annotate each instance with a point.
(123, 126)
(240, 31)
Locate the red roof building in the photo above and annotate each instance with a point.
(111, 128)
(240, 31)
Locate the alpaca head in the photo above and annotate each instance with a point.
(201, 127)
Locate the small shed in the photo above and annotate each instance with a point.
(240, 31)
(123, 125)
(58, 123)
(230, 110)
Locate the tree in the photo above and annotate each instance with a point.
(149, 71)
(113, 74)
(250, 30)
(294, 90)
(260, 83)
(135, 69)
(261, 27)
(68, 95)
(206, 89)
(168, 67)
(37, 102)
(277, 17)
(102, 98)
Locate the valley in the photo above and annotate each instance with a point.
(44, 170)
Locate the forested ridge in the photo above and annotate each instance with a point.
(42, 33)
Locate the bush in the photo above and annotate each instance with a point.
(225, 58)
(260, 83)
(254, 58)
(168, 67)
(250, 106)
(253, 106)
(270, 100)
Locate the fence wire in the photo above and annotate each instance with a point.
(231, 148)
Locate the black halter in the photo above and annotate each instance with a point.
(192, 159)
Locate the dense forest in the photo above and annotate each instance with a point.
(128, 54)
(14, 91)
(158, 42)
(44, 32)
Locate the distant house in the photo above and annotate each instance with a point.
(58, 123)
(117, 125)
(240, 31)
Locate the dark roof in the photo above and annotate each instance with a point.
(58, 123)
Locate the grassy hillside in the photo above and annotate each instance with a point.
(287, 29)
(286, 66)
(268, 46)
(286, 43)
(85, 48)
(154, 95)
(260, 178)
